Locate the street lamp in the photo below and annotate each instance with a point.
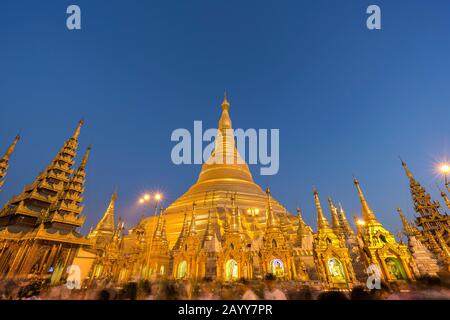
(444, 168)
(146, 198)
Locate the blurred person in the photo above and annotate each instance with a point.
(332, 296)
(248, 294)
(360, 293)
(272, 292)
(206, 291)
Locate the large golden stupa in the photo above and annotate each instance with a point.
(217, 184)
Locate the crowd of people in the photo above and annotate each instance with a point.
(268, 289)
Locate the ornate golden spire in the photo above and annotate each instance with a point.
(271, 220)
(334, 215)
(322, 222)
(192, 227)
(344, 222)
(407, 228)
(301, 222)
(225, 121)
(107, 223)
(11, 148)
(235, 217)
(209, 229)
(77, 130)
(118, 231)
(367, 213)
(5, 160)
(408, 173)
(86, 157)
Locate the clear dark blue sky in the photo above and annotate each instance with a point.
(347, 100)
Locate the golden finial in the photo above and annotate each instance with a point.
(334, 214)
(86, 156)
(366, 211)
(408, 173)
(225, 103)
(11, 148)
(322, 222)
(77, 130)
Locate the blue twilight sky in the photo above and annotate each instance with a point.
(347, 100)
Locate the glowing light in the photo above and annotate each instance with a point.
(248, 210)
(158, 196)
(360, 222)
(141, 200)
(444, 168)
(146, 197)
(256, 211)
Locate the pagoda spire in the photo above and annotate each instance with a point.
(367, 213)
(236, 223)
(303, 231)
(11, 148)
(118, 230)
(107, 223)
(163, 230)
(77, 130)
(344, 222)
(301, 222)
(184, 231)
(209, 230)
(192, 226)
(322, 222)
(4, 162)
(225, 120)
(408, 229)
(422, 200)
(69, 200)
(159, 224)
(334, 216)
(271, 219)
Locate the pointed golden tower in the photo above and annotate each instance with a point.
(305, 236)
(37, 197)
(44, 219)
(331, 256)
(380, 246)
(335, 221)
(425, 263)
(347, 229)
(431, 222)
(66, 211)
(408, 228)
(234, 260)
(224, 174)
(104, 231)
(4, 162)
(276, 251)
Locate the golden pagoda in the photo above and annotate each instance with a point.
(332, 258)
(104, 230)
(38, 228)
(379, 246)
(433, 225)
(4, 162)
(425, 262)
(276, 251)
(185, 255)
(215, 186)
